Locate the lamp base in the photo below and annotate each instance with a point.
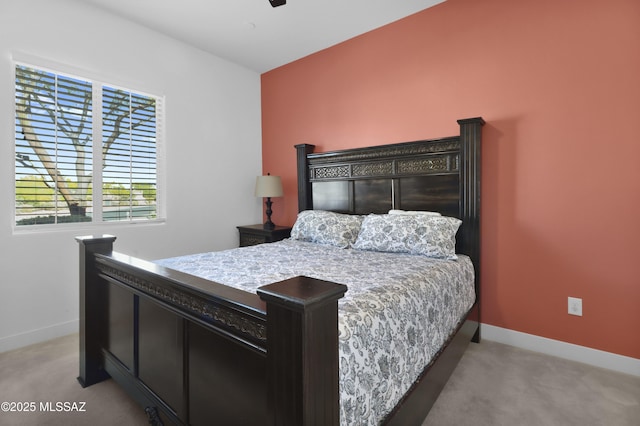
(268, 224)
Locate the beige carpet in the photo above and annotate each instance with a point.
(493, 385)
(499, 385)
(46, 373)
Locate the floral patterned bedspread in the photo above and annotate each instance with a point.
(398, 311)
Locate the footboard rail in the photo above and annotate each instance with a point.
(193, 351)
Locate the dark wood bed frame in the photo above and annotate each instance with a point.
(192, 351)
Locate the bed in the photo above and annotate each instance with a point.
(195, 351)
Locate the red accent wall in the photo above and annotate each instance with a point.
(559, 86)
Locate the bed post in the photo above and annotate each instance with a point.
(304, 183)
(91, 368)
(470, 161)
(302, 351)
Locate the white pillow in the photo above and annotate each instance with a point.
(414, 212)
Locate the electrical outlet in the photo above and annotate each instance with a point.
(575, 306)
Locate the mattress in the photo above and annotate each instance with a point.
(396, 315)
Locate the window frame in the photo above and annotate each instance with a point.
(99, 83)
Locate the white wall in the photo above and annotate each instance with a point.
(213, 153)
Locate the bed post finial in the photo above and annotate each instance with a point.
(305, 201)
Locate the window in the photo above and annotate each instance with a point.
(84, 151)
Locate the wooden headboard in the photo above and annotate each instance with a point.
(438, 175)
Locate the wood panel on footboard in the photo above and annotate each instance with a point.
(194, 352)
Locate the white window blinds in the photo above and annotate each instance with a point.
(61, 174)
(129, 155)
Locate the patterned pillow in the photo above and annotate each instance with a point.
(323, 227)
(432, 236)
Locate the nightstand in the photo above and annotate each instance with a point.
(251, 235)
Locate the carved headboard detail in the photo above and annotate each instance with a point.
(438, 175)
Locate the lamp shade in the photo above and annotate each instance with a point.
(268, 186)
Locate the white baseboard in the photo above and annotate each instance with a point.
(36, 336)
(595, 357)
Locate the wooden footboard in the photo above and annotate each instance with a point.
(192, 351)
